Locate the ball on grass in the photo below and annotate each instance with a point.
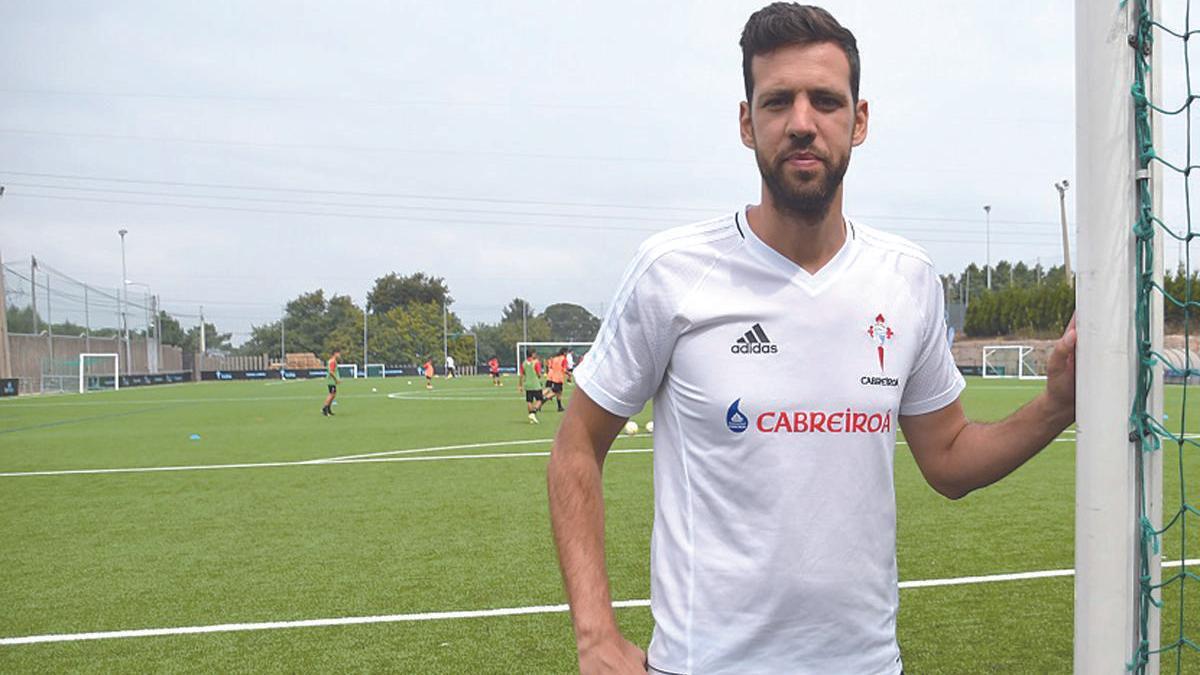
(650, 427)
(631, 427)
(374, 390)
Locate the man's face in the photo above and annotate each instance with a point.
(802, 123)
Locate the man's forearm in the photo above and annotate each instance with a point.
(983, 453)
(577, 514)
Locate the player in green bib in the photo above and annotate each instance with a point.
(332, 380)
(530, 378)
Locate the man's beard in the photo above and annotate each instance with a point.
(808, 200)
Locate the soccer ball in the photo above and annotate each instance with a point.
(650, 427)
(631, 427)
(374, 390)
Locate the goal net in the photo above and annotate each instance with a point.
(99, 372)
(349, 370)
(376, 370)
(1012, 362)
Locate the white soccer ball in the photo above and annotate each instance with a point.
(631, 427)
(374, 390)
(650, 427)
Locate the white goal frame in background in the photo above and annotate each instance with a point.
(83, 374)
(569, 345)
(1109, 490)
(353, 370)
(1024, 363)
(368, 366)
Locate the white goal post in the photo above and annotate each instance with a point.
(1112, 497)
(375, 370)
(349, 370)
(85, 375)
(1010, 362)
(523, 346)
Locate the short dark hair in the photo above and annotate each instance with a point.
(781, 24)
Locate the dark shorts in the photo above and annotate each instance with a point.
(495, 373)
(555, 387)
(532, 395)
(333, 388)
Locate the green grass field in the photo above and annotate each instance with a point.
(442, 508)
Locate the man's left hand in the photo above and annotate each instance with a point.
(1060, 370)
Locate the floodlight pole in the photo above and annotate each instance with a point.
(987, 243)
(366, 307)
(283, 343)
(125, 299)
(1062, 210)
(445, 343)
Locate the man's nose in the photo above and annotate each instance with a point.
(801, 123)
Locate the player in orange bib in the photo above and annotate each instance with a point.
(556, 376)
(428, 373)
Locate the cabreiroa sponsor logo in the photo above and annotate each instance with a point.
(845, 421)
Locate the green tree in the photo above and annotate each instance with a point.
(571, 323)
(392, 291)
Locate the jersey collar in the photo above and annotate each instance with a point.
(813, 283)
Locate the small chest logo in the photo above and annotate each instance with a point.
(755, 341)
(735, 420)
(880, 333)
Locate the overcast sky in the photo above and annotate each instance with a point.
(257, 150)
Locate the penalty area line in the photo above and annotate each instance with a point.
(463, 614)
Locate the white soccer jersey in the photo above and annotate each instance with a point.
(776, 394)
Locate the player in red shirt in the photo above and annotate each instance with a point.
(428, 373)
(494, 369)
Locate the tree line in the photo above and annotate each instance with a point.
(406, 317)
(1023, 301)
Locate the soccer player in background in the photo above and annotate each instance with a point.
(782, 345)
(331, 379)
(530, 379)
(449, 366)
(555, 376)
(428, 368)
(494, 369)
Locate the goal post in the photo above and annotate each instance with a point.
(349, 370)
(92, 371)
(547, 348)
(376, 370)
(1118, 487)
(1011, 362)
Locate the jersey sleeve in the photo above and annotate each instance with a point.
(935, 381)
(626, 363)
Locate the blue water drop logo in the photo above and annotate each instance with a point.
(735, 420)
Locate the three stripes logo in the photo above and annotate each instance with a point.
(755, 341)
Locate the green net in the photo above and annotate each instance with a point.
(1164, 600)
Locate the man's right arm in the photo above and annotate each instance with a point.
(576, 491)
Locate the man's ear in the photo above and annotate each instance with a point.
(861, 114)
(746, 125)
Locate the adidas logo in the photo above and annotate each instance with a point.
(755, 341)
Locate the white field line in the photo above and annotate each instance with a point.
(465, 446)
(467, 614)
(306, 462)
(384, 456)
(411, 451)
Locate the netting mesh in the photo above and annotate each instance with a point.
(41, 299)
(1171, 162)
